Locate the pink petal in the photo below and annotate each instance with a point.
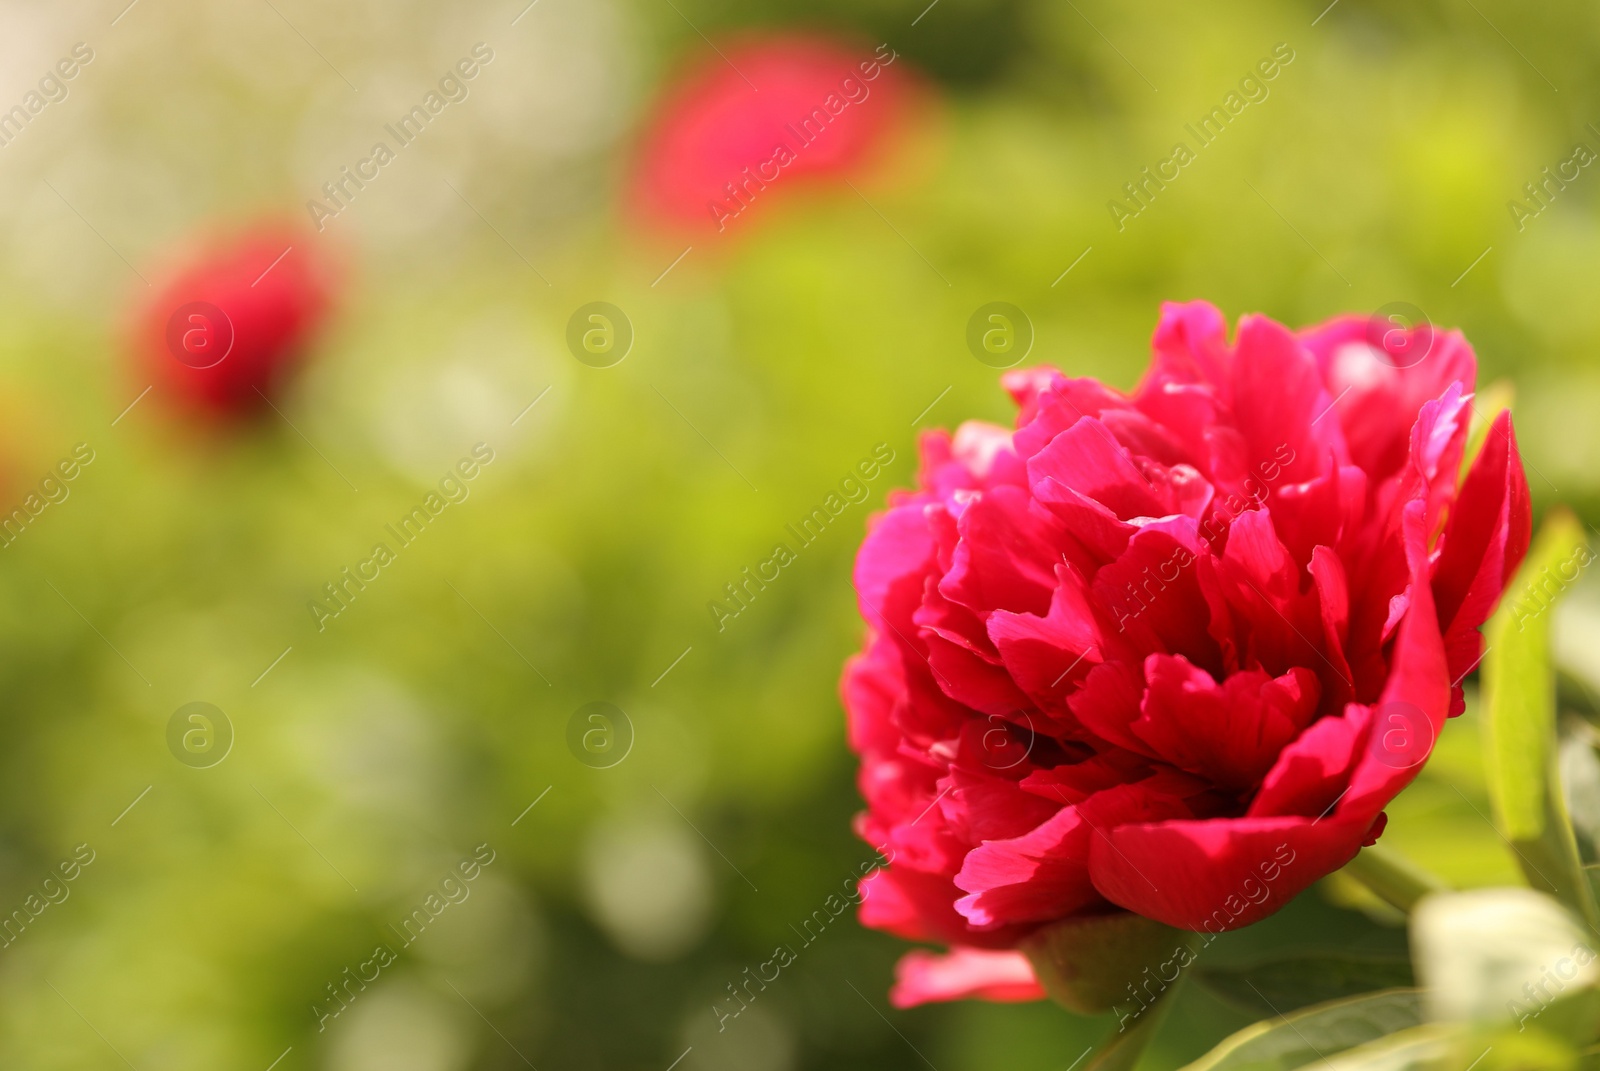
(1222, 873)
(1086, 458)
(1277, 396)
(1154, 592)
(917, 906)
(1191, 343)
(962, 974)
(1003, 561)
(1048, 656)
(1229, 733)
(1380, 391)
(1043, 874)
(1312, 773)
(1417, 694)
(1483, 543)
(1063, 404)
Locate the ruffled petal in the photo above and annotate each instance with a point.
(1230, 733)
(1171, 653)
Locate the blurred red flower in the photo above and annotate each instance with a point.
(236, 320)
(1170, 653)
(762, 116)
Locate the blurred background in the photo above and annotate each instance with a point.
(352, 769)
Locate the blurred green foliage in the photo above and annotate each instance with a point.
(426, 718)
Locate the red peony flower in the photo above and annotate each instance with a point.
(232, 324)
(1172, 653)
(761, 117)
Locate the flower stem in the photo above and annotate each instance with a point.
(1392, 877)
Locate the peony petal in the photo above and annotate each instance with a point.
(1333, 606)
(1191, 344)
(1222, 873)
(918, 906)
(898, 547)
(1154, 593)
(1417, 696)
(967, 671)
(1043, 874)
(1063, 404)
(871, 686)
(1086, 458)
(1380, 391)
(1264, 589)
(963, 974)
(1229, 733)
(988, 807)
(1312, 773)
(1004, 560)
(1098, 536)
(1048, 656)
(1483, 543)
(1027, 387)
(1277, 397)
(1108, 703)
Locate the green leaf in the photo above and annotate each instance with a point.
(1520, 717)
(1501, 956)
(1417, 1049)
(1520, 684)
(1316, 1033)
(1304, 980)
